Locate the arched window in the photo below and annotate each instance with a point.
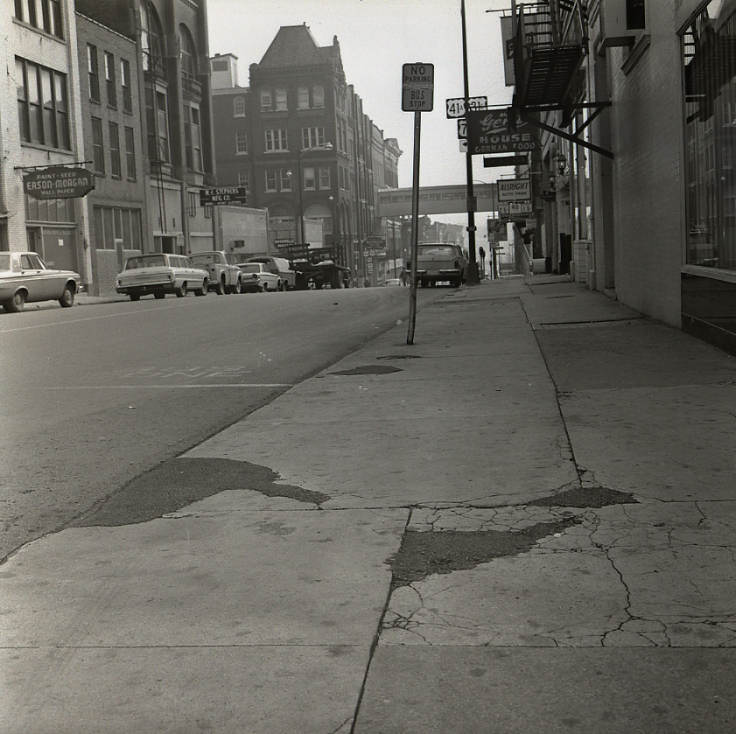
(188, 53)
(152, 39)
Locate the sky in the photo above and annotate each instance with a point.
(376, 38)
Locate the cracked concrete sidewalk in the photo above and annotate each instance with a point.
(524, 522)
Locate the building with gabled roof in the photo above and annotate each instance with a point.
(297, 136)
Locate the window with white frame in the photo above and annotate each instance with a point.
(125, 86)
(313, 137)
(308, 179)
(93, 73)
(271, 180)
(276, 139)
(114, 135)
(285, 179)
(46, 18)
(112, 97)
(241, 142)
(239, 107)
(243, 179)
(193, 138)
(266, 100)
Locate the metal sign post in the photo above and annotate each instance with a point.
(417, 95)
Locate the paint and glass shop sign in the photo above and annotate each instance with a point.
(58, 182)
(417, 87)
(489, 131)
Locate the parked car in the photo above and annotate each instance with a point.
(439, 262)
(24, 278)
(224, 277)
(257, 278)
(278, 266)
(392, 281)
(160, 273)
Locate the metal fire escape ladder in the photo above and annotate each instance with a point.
(550, 44)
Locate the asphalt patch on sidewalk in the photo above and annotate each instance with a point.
(586, 497)
(176, 483)
(423, 554)
(369, 369)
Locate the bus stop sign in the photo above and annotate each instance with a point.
(417, 87)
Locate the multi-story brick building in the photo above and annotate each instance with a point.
(41, 127)
(111, 113)
(171, 65)
(638, 185)
(297, 136)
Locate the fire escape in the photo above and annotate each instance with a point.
(550, 43)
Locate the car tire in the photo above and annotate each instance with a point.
(135, 296)
(16, 303)
(238, 287)
(159, 294)
(181, 291)
(220, 287)
(203, 290)
(67, 297)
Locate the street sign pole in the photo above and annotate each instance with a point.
(417, 96)
(471, 275)
(414, 231)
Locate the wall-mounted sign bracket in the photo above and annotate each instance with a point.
(597, 108)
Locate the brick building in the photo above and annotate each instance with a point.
(41, 127)
(111, 113)
(634, 180)
(177, 161)
(297, 136)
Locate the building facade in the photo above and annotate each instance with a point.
(174, 96)
(298, 138)
(111, 111)
(636, 190)
(41, 126)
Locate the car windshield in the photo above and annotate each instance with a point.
(437, 251)
(205, 258)
(252, 268)
(145, 261)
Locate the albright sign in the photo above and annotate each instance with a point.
(59, 182)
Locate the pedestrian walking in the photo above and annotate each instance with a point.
(403, 276)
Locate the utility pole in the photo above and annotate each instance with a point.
(471, 276)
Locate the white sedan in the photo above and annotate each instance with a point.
(257, 277)
(25, 278)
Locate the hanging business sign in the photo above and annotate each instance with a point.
(514, 189)
(223, 195)
(489, 131)
(58, 182)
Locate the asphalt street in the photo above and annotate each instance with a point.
(96, 395)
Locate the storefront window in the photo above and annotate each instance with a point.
(709, 67)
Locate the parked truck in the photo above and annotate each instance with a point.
(318, 268)
(223, 277)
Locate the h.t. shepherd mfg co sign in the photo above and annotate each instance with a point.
(58, 182)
